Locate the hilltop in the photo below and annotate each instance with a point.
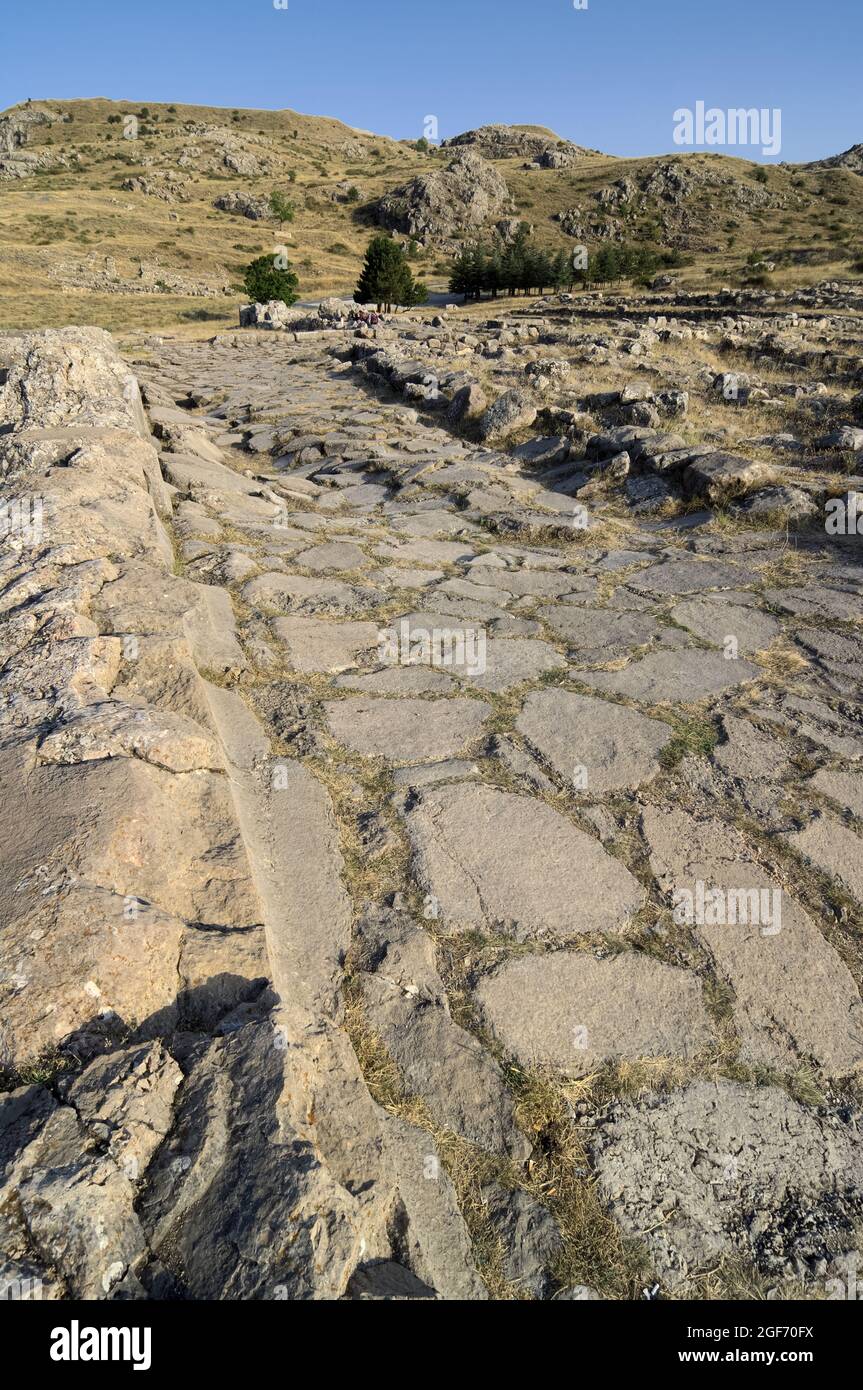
(132, 215)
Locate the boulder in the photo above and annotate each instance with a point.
(511, 411)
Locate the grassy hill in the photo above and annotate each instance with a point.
(61, 221)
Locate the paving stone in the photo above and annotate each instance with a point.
(596, 634)
(334, 555)
(454, 769)
(399, 680)
(522, 582)
(715, 620)
(316, 645)
(672, 577)
(568, 1010)
(674, 677)
(434, 523)
(795, 1000)
(296, 590)
(845, 788)
(755, 762)
(817, 601)
(532, 1243)
(425, 552)
(406, 730)
(834, 849)
(597, 745)
(456, 1077)
(511, 661)
(404, 578)
(504, 862)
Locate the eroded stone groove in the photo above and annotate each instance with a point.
(354, 790)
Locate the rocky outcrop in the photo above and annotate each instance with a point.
(165, 187)
(16, 128)
(433, 207)
(523, 142)
(201, 1127)
(849, 159)
(244, 205)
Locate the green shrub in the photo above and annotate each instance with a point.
(264, 280)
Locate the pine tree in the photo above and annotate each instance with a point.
(386, 277)
(561, 273)
(460, 274)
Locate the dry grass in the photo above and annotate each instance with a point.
(69, 214)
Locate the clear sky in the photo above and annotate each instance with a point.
(609, 76)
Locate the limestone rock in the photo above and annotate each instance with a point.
(496, 861)
(573, 1012)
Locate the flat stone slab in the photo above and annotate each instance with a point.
(512, 661)
(571, 1011)
(722, 1169)
(433, 523)
(316, 645)
(845, 788)
(333, 555)
(597, 745)
(277, 590)
(755, 763)
(834, 849)
(397, 577)
(522, 583)
(795, 999)
(445, 1065)
(406, 730)
(818, 601)
(426, 552)
(672, 577)
(674, 677)
(598, 634)
(496, 861)
(715, 621)
(399, 680)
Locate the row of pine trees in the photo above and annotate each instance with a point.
(522, 267)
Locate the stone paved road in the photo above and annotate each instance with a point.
(556, 834)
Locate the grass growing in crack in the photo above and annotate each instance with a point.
(781, 663)
(595, 1250)
(695, 737)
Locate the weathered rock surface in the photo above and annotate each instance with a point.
(779, 965)
(596, 745)
(573, 1012)
(501, 862)
(463, 197)
(723, 1169)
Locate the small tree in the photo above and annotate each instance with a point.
(386, 278)
(264, 280)
(281, 207)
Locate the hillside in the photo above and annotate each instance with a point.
(102, 228)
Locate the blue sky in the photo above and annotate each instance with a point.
(609, 76)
